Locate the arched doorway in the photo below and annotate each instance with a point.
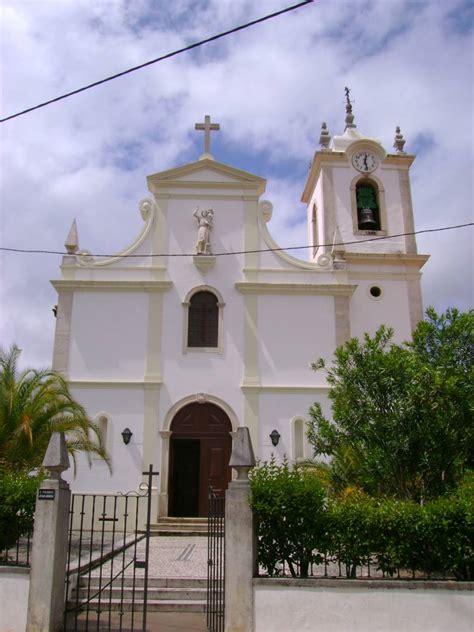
(200, 450)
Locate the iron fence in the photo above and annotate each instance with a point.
(19, 554)
(216, 561)
(107, 562)
(331, 566)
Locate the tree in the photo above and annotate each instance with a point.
(34, 404)
(402, 414)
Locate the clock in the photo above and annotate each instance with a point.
(364, 161)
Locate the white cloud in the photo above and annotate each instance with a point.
(408, 64)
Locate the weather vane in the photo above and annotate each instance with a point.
(349, 115)
(347, 91)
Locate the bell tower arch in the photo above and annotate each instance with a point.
(358, 191)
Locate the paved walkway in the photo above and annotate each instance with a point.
(169, 557)
(184, 557)
(160, 622)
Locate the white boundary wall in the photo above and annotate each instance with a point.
(286, 605)
(14, 588)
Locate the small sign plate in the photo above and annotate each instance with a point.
(46, 494)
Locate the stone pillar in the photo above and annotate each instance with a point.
(50, 539)
(240, 546)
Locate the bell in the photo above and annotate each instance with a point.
(367, 219)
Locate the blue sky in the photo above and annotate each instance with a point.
(270, 87)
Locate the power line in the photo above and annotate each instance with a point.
(154, 61)
(240, 252)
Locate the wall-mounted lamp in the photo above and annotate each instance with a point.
(126, 435)
(275, 437)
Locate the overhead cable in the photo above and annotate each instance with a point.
(157, 59)
(237, 252)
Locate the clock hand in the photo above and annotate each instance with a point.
(365, 161)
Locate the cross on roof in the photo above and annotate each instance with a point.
(207, 127)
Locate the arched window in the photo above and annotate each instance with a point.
(368, 210)
(203, 320)
(314, 230)
(102, 420)
(103, 424)
(300, 445)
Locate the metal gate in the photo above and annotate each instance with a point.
(216, 561)
(107, 563)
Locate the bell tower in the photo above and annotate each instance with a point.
(357, 191)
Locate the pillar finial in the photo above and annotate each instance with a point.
(242, 458)
(56, 459)
(399, 141)
(324, 137)
(349, 115)
(72, 240)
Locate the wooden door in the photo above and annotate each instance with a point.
(200, 450)
(184, 475)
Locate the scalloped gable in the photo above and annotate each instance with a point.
(209, 172)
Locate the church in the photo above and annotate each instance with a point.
(203, 324)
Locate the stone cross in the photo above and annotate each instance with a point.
(207, 127)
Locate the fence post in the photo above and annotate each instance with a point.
(239, 538)
(50, 537)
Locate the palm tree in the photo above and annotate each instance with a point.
(33, 404)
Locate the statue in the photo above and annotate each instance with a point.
(204, 221)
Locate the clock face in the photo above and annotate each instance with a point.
(365, 161)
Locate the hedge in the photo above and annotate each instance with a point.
(17, 506)
(299, 524)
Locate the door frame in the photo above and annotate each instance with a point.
(165, 434)
(210, 427)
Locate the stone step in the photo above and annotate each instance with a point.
(154, 594)
(153, 582)
(192, 520)
(179, 529)
(169, 605)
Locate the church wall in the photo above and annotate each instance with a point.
(124, 408)
(108, 336)
(294, 331)
(392, 308)
(278, 410)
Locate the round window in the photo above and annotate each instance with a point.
(375, 291)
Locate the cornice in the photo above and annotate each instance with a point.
(399, 159)
(321, 158)
(330, 158)
(322, 289)
(283, 389)
(144, 384)
(238, 178)
(111, 286)
(417, 261)
(208, 184)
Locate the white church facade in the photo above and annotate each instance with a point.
(179, 350)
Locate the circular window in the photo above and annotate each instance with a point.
(375, 291)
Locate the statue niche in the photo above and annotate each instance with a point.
(204, 220)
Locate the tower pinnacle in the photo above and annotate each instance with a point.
(349, 115)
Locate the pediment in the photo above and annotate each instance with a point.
(206, 171)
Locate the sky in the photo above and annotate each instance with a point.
(270, 87)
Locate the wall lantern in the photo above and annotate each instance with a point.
(275, 437)
(127, 435)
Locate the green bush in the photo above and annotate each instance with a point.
(351, 538)
(289, 506)
(17, 506)
(299, 525)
